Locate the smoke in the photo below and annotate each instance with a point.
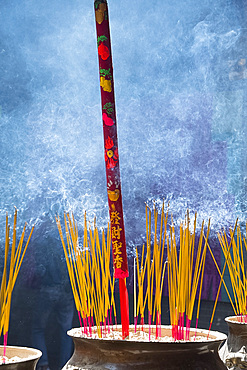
(179, 70)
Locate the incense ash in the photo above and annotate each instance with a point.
(141, 334)
(6, 360)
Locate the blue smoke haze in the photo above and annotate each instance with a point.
(180, 84)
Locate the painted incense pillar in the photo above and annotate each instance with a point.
(112, 156)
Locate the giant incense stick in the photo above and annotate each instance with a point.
(112, 157)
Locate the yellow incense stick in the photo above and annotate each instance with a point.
(89, 271)
(221, 280)
(13, 258)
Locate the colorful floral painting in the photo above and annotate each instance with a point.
(105, 84)
(100, 11)
(103, 51)
(111, 153)
(108, 121)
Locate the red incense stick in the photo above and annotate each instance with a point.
(112, 157)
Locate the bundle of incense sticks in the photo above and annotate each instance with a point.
(180, 257)
(150, 272)
(234, 248)
(90, 275)
(185, 269)
(227, 250)
(13, 257)
(185, 275)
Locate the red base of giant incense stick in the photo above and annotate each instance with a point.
(124, 305)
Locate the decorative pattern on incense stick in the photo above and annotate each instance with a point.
(110, 140)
